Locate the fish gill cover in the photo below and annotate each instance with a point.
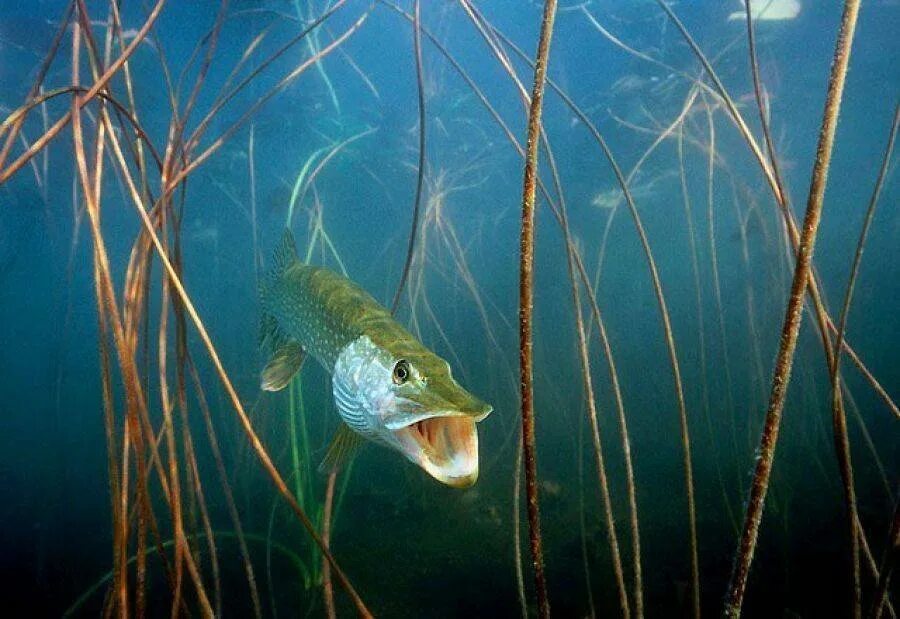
(705, 354)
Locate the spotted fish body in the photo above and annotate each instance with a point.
(387, 387)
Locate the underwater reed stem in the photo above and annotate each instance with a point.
(251, 164)
(595, 309)
(247, 426)
(714, 263)
(420, 176)
(526, 303)
(824, 321)
(794, 314)
(169, 432)
(587, 382)
(839, 418)
(327, 587)
(36, 88)
(223, 480)
(194, 477)
(517, 533)
(760, 106)
(80, 102)
(227, 96)
(670, 340)
(670, 343)
(259, 102)
(630, 484)
(84, 597)
(211, 41)
(888, 563)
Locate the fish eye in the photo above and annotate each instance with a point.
(401, 372)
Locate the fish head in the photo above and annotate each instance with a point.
(410, 401)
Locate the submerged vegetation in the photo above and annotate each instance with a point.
(708, 417)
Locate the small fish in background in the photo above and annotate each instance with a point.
(388, 388)
(768, 10)
(613, 197)
(203, 233)
(551, 488)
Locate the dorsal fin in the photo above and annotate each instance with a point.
(285, 254)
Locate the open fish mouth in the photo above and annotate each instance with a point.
(445, 446)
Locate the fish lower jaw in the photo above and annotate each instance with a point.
(445, 447)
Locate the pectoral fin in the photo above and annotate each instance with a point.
(341, 450)
(281, 368)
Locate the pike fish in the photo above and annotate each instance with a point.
(388, 388)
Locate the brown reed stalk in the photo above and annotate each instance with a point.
(839, 418)
(120, 108)
(177, 128)
(592, 408)
(559, 210)
(888, 564)
(207, 524)
(98, 85)
(623, 182)
(170, 143)
(701, 332)
(255, 442)
(420, 170)
(169, 430)
(573, 256)
(144, 511)
(482, 26)
(181, 546)
(119, 522)
(162, 478)
(327, 588)
(120, 536)
(760, 106)
(116, 20)
(823, 320)
(670, 344)
(223, 479)
(229, 93)
(251, 165)
(794, 314)
(630, 485)
(526, 302)
(281, 85)
(582, 525)
(525, 310)
(36, 88)
(122, 590)
(517, 532)
(211, 42)
(595, 311)
(824, 323)
(196, 494)
(134, 401)
(714, 262)
(88, 195)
